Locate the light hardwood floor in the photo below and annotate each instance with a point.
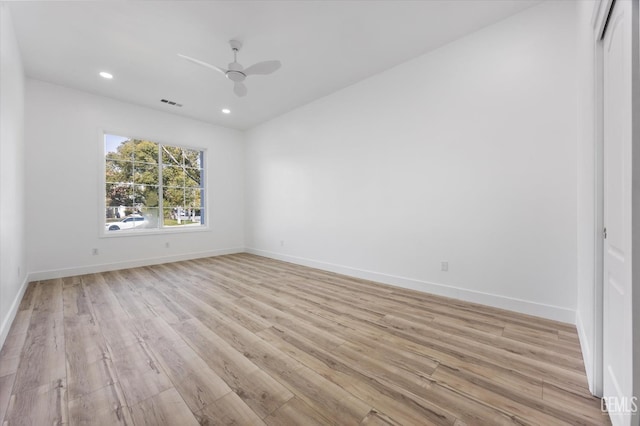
(242, 339)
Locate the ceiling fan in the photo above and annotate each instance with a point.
(236, 72)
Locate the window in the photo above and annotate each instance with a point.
(152, 186)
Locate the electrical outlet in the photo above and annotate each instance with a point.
(167, 244)
(94, 251)
(444, 266)
(281, 243)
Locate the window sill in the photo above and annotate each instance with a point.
(163, 231)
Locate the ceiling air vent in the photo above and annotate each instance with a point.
(166, 101)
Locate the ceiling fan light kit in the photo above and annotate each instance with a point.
(235, 71)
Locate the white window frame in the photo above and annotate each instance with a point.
(103, 233)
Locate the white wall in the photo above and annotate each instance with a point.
(587, 311)
(64, 139)
(12, 207)
(466, 154)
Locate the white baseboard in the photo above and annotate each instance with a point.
(556, 313)
(104, 267)
(8, 319)
(586, 351)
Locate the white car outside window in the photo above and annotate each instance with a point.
(129, 222)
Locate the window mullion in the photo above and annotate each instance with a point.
(160, 188)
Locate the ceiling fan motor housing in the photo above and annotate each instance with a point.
(235, 72)
(235, 75)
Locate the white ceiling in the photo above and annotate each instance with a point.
(323, 45)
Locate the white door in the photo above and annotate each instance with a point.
(617, 337)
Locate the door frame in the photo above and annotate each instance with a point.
(600, 15)
(601, 10)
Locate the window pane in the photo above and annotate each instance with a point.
(110, 214)
(123, 153)
(171, 155)
(193, 177)
(117, 214)
(118, 194)
(146, 196)
(112, 144)
(151, 218)
(118, 171)
(173, 197)
(191, 158)
(192, 198)
(146, 173)
(183, 217)
(145, 151)
(173, 176)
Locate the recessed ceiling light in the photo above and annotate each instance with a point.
(226, 111)
(106, 75)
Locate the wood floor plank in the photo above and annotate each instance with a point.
(115, 325)
(375, 418)
(6, 384)
(88, 359)
(569, 336)
(482, 339)
(186, 301)
(138, 370)
(457, 358)
(10, 353)
(88, 376)
(226, 305)
(75, 300)
(189, 373)
(164, 409)
(45, 404)
(296, 412)
(257, 389)
(584, 408)
(102, 407)
(164, 306)
(396, 403)
(139, 373)
(20, 323)
(128, 295)
(30, 294)
(520, 362)
(527, 408)
(284, 319)
(228, 410)
(42, 360)
(420, 386)
(366, 340)
(357, 316)
(543, 339)
(392, 354)
(242, 339)
(338, 405)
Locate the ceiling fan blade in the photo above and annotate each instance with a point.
(266, 67)
(239, 88)
(204, 64)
